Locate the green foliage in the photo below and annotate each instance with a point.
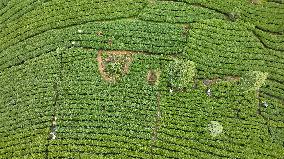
(181, 73)
(277, 134)
(3, 3)
(49, 66)
(253, 80)
(27, 97)
(57, 15)
(187, 115)
(270, 40)
(115, 66)
(177, 12)
(223, 48)
(215, 128)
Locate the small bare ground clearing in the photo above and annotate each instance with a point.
(153, 77)
(114, 64)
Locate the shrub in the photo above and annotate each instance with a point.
(253, 80)
(181, 73)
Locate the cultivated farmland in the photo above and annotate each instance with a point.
(142, 79)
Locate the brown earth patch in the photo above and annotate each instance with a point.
(186, 29)
(153, 76)
(99, 33)
(109, 42)
(113, 64)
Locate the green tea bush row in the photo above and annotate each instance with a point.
(168, 41)
(247, 11)
(113, 116)
(269, 23)
(17, 11)
(177, 12)
(64, 19)
(27, 106)
(248, 128)
(272, 41)
(155, 38)
(3, 4)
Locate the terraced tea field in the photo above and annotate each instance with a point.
(142, 79)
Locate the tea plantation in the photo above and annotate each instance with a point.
(144, 79)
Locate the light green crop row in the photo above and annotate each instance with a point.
(244, 110)
(49, 65)
(272, 41)
(29, 27)
(17, 11)
(243, 10)
(26, 106)
(177, 12)
(167, 39)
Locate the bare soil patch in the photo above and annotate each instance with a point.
(153, 76)
(99, 33)
(114, 64)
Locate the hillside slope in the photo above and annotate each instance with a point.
(141, 79)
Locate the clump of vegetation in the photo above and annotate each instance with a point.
(153, 77)
(113, 65)
(181, 73)
(233, 16)
(215, 128)
(253, 80)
